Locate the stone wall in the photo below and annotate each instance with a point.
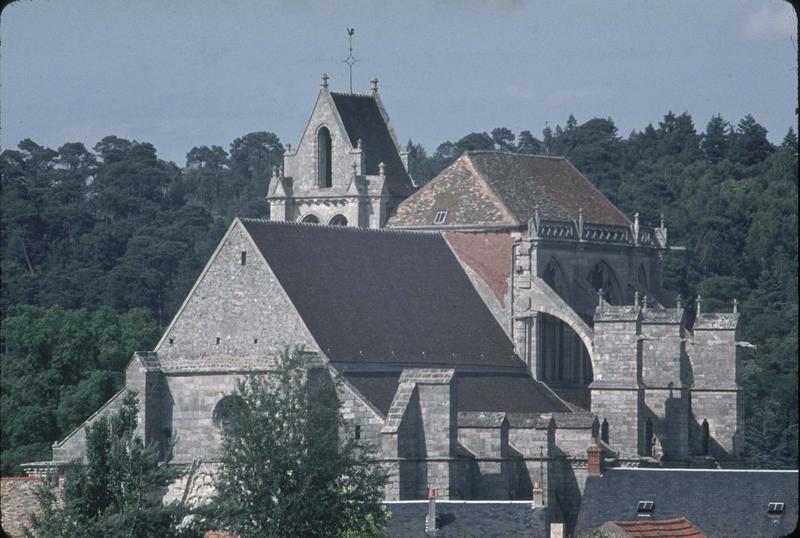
(17, 503)
(234, 313)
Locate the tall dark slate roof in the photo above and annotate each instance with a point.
(724, 503)
(458, 518)
(510, 392)
(363, 120)
(388, 297)
(550, 184)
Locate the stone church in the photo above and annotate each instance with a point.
(489, 330)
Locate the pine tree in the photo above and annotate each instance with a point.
(716, 140)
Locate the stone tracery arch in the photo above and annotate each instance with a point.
(310, 218)
(338, 220)
(602, 277)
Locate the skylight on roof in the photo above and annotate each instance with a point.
(775, 508)
(646, 507)
(440, 217)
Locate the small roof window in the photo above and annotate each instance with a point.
(776, 508)
(645, 507)
(440, 217)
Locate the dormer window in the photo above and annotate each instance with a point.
(324, 156)
(775, 508)
(440, 217)
(645, 508)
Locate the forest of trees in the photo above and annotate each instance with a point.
(100, 246)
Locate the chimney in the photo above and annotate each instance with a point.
(595, 459)
(538, 495)
(430, 519)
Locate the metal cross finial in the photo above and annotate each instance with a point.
(350, 60)
(324, 83)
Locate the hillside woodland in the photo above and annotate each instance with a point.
(100, 246)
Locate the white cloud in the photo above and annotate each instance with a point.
(772, 21)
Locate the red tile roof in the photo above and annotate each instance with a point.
(660, 528)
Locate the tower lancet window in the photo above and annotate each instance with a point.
(324, 158)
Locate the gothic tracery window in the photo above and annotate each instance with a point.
(310, 218)
(602, 277)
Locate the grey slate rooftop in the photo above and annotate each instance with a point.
(361, 294)
(363, 121)
(551, 185)
(466, 519)
(509, 392)
(721, 503)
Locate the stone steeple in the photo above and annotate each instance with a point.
(348, 167)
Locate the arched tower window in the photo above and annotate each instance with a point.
(310, 218)
(338, 220)
(704, 440)
(324, 153)
(604, 431)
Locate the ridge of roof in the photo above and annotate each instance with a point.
(358, 95)
(551, 185)
(477, 171)
(525, 155)
(354, 229)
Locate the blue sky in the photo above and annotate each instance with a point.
(180, 74)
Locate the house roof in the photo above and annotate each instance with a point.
(511, 392)
(363, 121)
(718, 502)
(388, 297)
(492, 187)
(552, 185)
(656, 528)
(459, 518)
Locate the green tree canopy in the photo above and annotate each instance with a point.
(290, 466)
(116, 493)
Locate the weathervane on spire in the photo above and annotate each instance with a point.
(350, 60)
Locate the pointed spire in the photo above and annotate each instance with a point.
(636, 299)
(698, 302)
(580, 224)
(358, 144)
(662, 221)
(381, 169)
(678, 302)
(324, 82)
(636, 228)
(735, 306)
(600, 299)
